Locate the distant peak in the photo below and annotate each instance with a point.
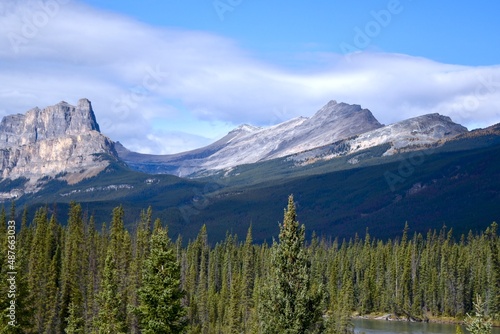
(333, 107)
(84, 104)
(433, 116)
(246, 128)
(120, 148)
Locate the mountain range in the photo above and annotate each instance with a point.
(355, 127)
(347, 171)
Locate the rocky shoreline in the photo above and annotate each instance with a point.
(393, 317)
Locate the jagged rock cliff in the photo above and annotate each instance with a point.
(60, 141)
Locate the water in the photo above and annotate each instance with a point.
(403, 327)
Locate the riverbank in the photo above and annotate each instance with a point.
(393, 317)
(371, 326)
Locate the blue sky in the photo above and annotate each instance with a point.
(167, 76)
(453, 32)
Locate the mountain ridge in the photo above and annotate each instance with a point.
(332, 123)
(248, 144)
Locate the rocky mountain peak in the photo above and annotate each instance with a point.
(51, 122)
(56, 140)
(246, 128)
(334, 111)
(331, 103)
(341, 120)
(436, 125)
(86, 106)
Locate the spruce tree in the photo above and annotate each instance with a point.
(4, 301)
(140, 251)
(493, 241)
(53, 320)
(478, 323)
(234, 316)
(160, 309)
(38, 266)
(248, 276)
(23, 322)
(72, 268)
(287, 305)
(112, 299)
(92, 275)
(110, 319)
(75, 320)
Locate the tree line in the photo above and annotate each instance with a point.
(78, 278)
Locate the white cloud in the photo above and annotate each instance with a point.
(135, 74)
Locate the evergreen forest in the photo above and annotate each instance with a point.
(80, 276)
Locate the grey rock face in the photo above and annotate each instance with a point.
(51, 122)
(60, 139)
(247, 144)
(411, 134)
(336, 129)
(332, 122)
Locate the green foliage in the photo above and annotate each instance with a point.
(72, 278)
(110, 318)
(288, 304)
(72, 267)
(160, 309)
(75, 323)
(112, 298)
(478, 323)
(15, 299)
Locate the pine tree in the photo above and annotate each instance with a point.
(75, 320)
(112, 299)
(494, 241)
(141, 249)
(38, 266)
(22, 323)
(287, 303)
(4, 301)
(248, 276)
(53, 320)
(72, 271)
(346, 303)
(234, 316)
(92, 275)
(478, 323)
(202, 287)
(110, 319)
(160, 309)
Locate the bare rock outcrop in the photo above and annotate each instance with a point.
(61, 141)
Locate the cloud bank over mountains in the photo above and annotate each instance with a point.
(164, 90)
